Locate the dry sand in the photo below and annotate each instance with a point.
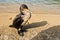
(39, 22)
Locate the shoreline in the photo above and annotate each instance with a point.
(45, 9)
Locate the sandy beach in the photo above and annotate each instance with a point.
(42, 19)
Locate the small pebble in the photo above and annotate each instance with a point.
(10, 18)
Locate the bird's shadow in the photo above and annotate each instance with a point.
(34, 25)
